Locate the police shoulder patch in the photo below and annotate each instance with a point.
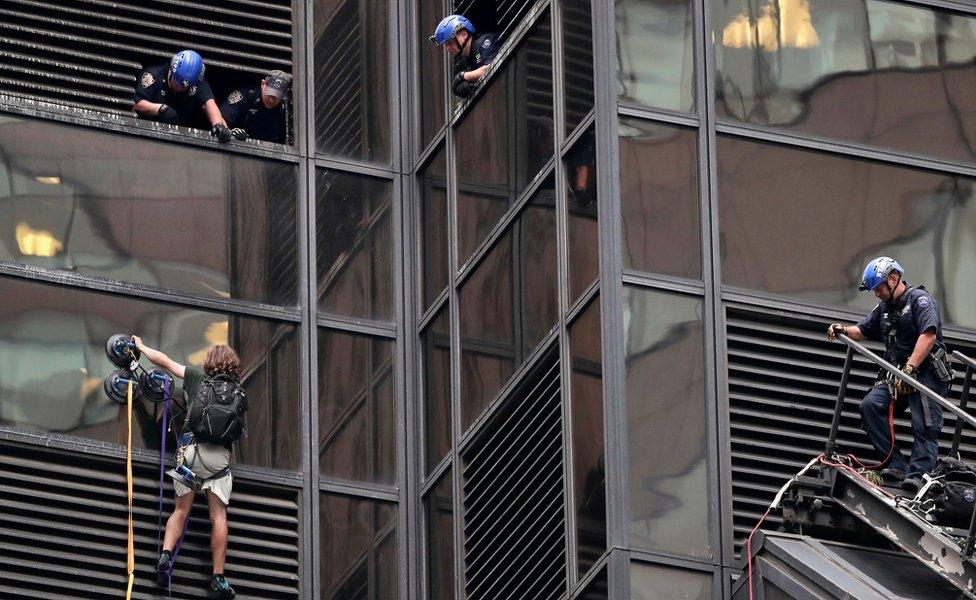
(147, 79)
(486, 44)
(923, 302)
(235, 97)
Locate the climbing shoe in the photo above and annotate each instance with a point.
(220, 588)
(164, 565)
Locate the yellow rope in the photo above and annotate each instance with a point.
(131, 561)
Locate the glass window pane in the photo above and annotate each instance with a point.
(666, 422)
(655, 55)
(508, 304)
(357, 557)
(146, 212)
(583, 247)
(436, 348)
(433, 84)
(52, 361)
(577, 60)
(354, 245)
(650, 582)
(780, 208)
(352, 89)
(433, 236)
(505, 140)
(357, 425)
(439, 512)
(589, 470)
(865, 71)
(659, 199)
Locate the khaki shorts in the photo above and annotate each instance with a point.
(205, 460)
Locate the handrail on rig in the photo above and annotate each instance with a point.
(959, 411)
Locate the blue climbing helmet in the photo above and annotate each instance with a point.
(877, 271)
(449, 27)
(186, 69)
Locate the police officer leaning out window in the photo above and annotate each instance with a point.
(472, 56)
(258, 111)
(178, 94)
(907, 320)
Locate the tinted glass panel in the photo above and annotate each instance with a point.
(659, 199)
(352, 90)
(433, 205)
(52, 364)
(655, 55)
(508, 304)
(354, 245)
(433, 85)
(436, 342)
(577, 61)
(439, 512)
(357, 425)
(871, 72)
(589, 471)
(666, 422)
(584, 250)
(146, 212)
(650, 582)
(505, 139)
(782, 208)
(357, 559)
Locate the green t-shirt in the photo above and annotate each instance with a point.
(192, 378)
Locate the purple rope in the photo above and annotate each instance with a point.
(162, 466)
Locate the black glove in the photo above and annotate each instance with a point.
(462, 87)
(168, 115)
(221, 132)
(583, 196)
(239, 133)
(834, 330)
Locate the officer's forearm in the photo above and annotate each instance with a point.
(922, 348)
(854, 332)
(146, 108)
(476, 74)
(213, 113)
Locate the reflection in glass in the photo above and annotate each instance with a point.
(358, 557)
(879, 73)
(666, 422)
(439, 513)
(785, 211)
(52, 363)
(354, 245)
(650, 582)
(659, 199)
(508, 304)
(433, 85)
(589, 471)
(357, 425)
(505, 140)
(436, 348)
(352, 90)
(147, 212)
(656, 59)
(433, 235)
(584, 251)
(577, 61)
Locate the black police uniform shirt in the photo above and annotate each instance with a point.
(243, 108)
(483, 51)
(915, 311)
(151, 85)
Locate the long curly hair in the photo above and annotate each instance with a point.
(222, 360)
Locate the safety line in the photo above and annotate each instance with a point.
(131, 559)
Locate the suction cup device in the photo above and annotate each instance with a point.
(182, 474)
(117, 383)
(152, 383)
(122, 352)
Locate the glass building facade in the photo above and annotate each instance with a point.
(562, 339)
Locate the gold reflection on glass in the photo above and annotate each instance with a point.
(215, 334)
(49, 179)
(36, 242)
(784, 23)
